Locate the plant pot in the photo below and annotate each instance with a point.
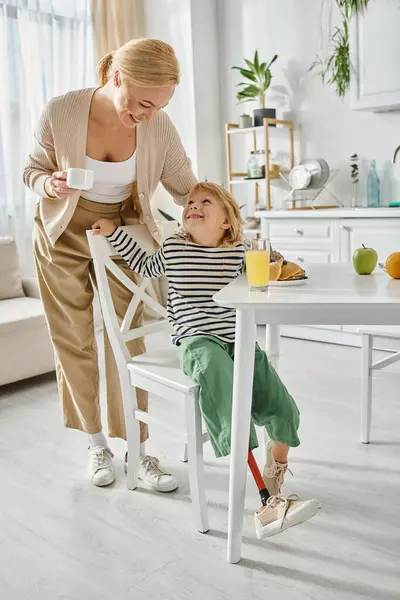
(245, 121)
(263, 113)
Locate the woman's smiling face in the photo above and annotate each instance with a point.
(136, 104)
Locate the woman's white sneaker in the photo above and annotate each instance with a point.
(101, 468)
(153, 475)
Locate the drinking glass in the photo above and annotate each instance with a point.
(257, 263)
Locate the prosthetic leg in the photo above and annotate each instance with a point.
(264, 494)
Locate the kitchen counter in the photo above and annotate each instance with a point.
(330, 213)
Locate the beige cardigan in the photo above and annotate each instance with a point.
(60, 143)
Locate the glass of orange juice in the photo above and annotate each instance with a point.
(257, 263)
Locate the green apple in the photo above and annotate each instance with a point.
(365, 260)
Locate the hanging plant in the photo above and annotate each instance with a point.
(335, 69)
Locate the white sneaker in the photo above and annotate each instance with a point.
(100, 468)
(282, 512)
(153, 475)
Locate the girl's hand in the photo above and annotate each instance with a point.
(56, 185)
(103, 227)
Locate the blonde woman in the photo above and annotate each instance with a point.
(119, 131)
(210, 247)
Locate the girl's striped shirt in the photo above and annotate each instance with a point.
(194, 273)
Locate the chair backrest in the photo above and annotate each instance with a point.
(102, 251)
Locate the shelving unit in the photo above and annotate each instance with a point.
(232, 129)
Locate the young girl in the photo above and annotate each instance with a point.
(198, 261)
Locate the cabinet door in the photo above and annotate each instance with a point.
(374, 51)
(381, 234)
(303, 257)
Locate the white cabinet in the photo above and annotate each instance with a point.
(381, 234)
(374, 51)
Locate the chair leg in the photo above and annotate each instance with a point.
(196, 465)
(133, 439)
(184, 455)
(366, 387)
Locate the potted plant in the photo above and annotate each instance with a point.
(258, 79)
(245, 121)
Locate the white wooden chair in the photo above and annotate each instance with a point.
(157, 372)
(373, 337)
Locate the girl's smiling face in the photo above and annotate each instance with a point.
(205, 219)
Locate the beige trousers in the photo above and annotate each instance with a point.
(66, 279)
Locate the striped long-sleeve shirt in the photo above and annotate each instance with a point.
(194, 273)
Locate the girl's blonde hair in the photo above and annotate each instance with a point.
(234, 234)
(143, 62)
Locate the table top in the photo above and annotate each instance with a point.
(333, 294)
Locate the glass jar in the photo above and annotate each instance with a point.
(256, 164)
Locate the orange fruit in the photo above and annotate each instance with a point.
(274, 271)
(393, 265)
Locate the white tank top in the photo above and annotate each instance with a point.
(112, 180)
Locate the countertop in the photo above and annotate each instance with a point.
(330, 213)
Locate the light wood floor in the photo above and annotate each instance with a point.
(61, 538)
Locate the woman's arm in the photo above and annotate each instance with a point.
(177, 176)
(42, 160)
(149, 265)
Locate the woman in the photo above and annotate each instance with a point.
(120, 132)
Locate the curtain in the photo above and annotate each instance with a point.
(116, 22)
(46, 49)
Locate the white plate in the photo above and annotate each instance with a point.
(290, 283)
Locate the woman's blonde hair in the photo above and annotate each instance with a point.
(234, 234)
(143, 62)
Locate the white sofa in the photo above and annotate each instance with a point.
(25, 346)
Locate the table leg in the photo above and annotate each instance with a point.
(241, 413)
(272, 348)
(272, 345)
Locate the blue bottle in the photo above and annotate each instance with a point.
(373, 187)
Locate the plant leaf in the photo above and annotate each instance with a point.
(250, 90)
(267, 80)
(262, 68)
(256, 62)
(250, 65)
(274, 58)
(248, 75)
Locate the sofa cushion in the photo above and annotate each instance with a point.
(10, 280)
(19, 314)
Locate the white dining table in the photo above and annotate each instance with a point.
(334, 294)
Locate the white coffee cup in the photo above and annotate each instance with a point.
(80, 179)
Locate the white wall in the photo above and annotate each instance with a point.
(170, 21)
(328, 127)
(190, 27)
(209, 127)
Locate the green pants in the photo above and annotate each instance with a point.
(209, 363)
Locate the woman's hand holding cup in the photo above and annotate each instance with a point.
(56, 185)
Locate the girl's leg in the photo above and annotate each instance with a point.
(279, 452)
(209, 363)
(274, 408)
